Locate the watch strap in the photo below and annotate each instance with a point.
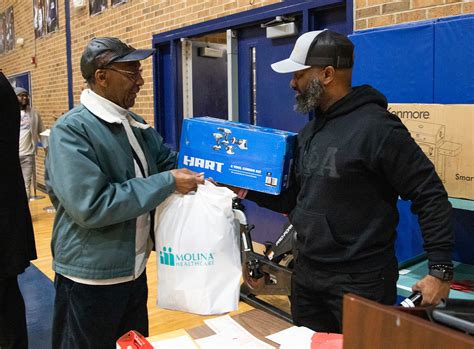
(443, 272)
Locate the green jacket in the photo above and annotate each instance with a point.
(90, 178)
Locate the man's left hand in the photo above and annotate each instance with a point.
(432, 289)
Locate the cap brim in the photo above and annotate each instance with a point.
(136, 55)
(288, 66)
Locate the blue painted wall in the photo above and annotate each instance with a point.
(427, 62)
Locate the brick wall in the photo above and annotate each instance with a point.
(379, 13)
(136, 21)
(48, 76)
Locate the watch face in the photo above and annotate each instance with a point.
(448, 275)
(443, 274)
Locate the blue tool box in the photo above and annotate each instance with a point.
(233, 153)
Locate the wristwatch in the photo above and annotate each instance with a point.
(443, 272)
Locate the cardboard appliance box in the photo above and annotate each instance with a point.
(237, 154)
(445, 134)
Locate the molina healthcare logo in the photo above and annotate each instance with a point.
(188, 259)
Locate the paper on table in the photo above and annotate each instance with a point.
(299, 345)
(229, 333)
(293, 337)
(225, 340)
(223, 324)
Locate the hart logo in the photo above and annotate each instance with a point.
(202, 163)
(173, 259)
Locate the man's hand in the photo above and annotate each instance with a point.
(432, 289)
(187, 180)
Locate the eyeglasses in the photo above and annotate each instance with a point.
(133, 75)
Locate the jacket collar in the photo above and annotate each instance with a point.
(107, 110)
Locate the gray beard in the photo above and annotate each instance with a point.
(309, 99)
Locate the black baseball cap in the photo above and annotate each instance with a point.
(110, 50)
(319, 48)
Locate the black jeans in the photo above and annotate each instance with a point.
(13, 332)
(316, 295)
(88, 316)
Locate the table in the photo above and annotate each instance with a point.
(258, 322)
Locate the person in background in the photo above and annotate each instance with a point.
(106, 172)
(31, 126)
(353, 160)
(17, 243)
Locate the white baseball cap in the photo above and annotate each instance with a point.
(319, 48)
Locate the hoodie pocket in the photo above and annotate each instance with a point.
(315, 234)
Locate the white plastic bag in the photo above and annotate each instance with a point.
(198, 254)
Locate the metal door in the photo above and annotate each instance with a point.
(265, 99)
(204, 80)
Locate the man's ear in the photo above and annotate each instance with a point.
(329, 73)
(100, 76)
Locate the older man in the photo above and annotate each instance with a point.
(353, 160)
(31, 126)
(106, 171)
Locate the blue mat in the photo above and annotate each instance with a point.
(38, 293)
(422, 62)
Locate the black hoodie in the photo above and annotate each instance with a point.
(352, 163)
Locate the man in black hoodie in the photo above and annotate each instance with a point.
(353, 160)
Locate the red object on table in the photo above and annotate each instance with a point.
(463, 285)
(133, 340)
(326, 341)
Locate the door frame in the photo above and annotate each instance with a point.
(167, 47)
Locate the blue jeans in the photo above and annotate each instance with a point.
(88, 316)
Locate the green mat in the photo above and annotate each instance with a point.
(410, 274)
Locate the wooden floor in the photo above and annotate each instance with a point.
(160, 320)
